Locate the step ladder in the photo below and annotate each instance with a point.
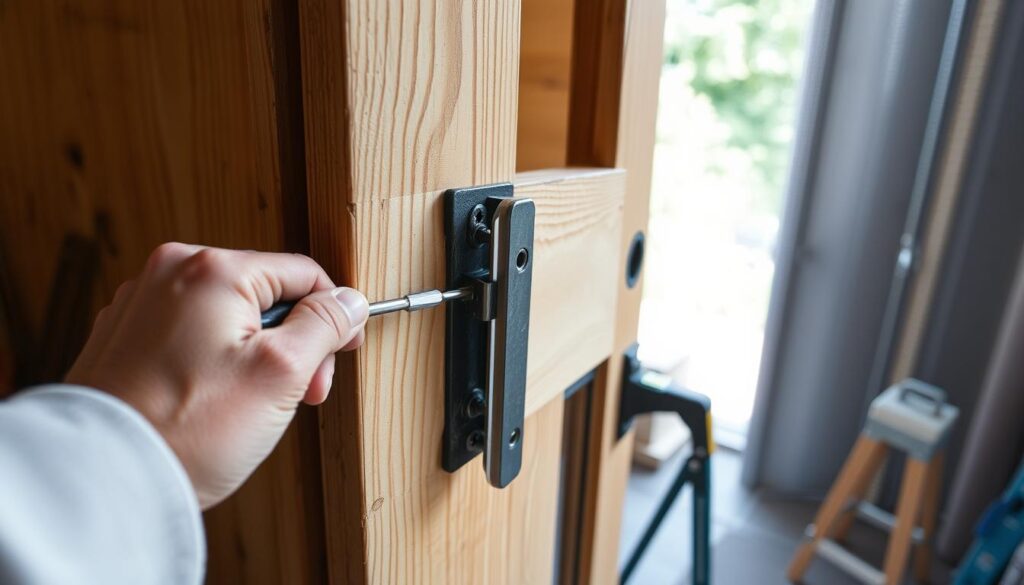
(910, 416)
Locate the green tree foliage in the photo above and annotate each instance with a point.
(745, 56)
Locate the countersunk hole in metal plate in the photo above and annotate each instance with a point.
(635, 260)
(522, 258)
(475, 441)
(513, 438)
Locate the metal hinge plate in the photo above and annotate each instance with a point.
(489, 246)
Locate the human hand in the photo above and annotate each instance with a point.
(182, 344)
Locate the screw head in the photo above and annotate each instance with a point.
(478, 213)
(475, 441)
(477, 230)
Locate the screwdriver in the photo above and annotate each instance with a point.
(427, 299)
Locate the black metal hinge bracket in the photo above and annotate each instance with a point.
(489, 248)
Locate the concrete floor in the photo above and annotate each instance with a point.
(753, 535)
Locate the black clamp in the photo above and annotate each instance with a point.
(645, 391)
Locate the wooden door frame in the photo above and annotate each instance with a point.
(617, 47)
(612, 115)
(613, 109)
(358, 174)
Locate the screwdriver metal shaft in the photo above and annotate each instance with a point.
(421, 300)
(276, 314)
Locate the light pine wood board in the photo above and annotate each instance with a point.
(135, 123)
(402, 373)
(402, 98)
(613, 115)
(402, 101)
(579, 212)
(432, 91)
(575, 278)
(392, 118)
(545, 69)
(596, 82)
(634, 145)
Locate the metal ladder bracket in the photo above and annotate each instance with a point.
(489, 247)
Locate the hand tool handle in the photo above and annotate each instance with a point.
(275, 315)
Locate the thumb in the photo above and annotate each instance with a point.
(324, 322)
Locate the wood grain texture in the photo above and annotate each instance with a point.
(634, 144)
(411, 521)
(417, 507)
(599, 32)
(432, 91)
(545, 67)
(403, 100)
(134, 123)
(575, 276)
(579, 212)
(617, 88)
(572, 504)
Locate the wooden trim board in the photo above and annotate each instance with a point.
(625, 97)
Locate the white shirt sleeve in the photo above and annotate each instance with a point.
(91, 493)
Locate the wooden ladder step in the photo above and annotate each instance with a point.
(884, 520)
(855, 566)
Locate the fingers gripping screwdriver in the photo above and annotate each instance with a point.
(427, 299)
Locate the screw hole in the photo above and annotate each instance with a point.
(522, 258)
(476, 404)
(478, 213)
(635, 260)
(513, 438)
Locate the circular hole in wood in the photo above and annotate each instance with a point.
(635, 260)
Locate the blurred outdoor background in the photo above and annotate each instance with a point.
(725, 126)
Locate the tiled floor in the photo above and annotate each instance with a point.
(753, 535)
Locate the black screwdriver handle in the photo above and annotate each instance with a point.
(276, 314)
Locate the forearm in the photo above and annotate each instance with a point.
(90, 492)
